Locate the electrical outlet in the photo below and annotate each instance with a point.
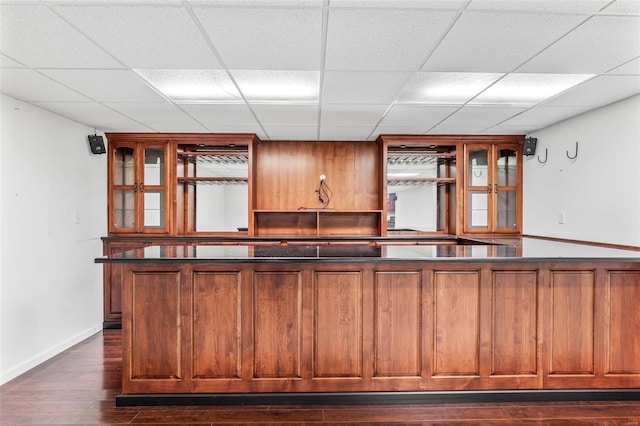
(76, 218)
(561, 217)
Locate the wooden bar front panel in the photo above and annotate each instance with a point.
(572, 323)
(623, 326)
(216, 325)
(277, 324)
(457, 323)
(338, 325)
(514, 325)
(379, 326)
(156, 326)
(398, 324)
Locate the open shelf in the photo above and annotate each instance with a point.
(213, 180)
(420, 181)
(317, 222)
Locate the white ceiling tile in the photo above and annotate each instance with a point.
(400, 130)
(214, 115)
(356, 87)
(624, 6)
(497, 42)
(632, 67)
(445, 87)
(106, 85)
(261, 3)
(144, 36)
(238, 128)
(291, 132)
(456, 128)
(160, 117)
(278, 85)
(114, 2)
(356, 115)
(399, 4)
(28, 85)
(381, 39)
(426, 116)
(94, 115)
(510, 130)
(474, 119)
(7, 62)
(599, 91)
(541, 116)
(263, 38)
(566, 6)
(372, 50)
(37, 37)
(352, 133)
(600, 44)
(286, 114)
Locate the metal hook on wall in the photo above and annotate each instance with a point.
(546, 152)
(575, 155)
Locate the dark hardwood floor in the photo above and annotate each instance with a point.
(78, 387)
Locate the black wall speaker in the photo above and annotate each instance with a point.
(529, 147)
(96, 144)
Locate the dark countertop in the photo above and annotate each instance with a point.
(508, 249)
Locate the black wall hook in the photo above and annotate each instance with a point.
(546, 152)
(575, 155)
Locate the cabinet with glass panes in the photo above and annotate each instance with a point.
(139, 193)
(492, 188)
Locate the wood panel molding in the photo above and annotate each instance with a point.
(338, 324)
(380, 326)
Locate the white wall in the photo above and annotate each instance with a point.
(50, 287)
(222, 207)
(417, 208)
(599, 191)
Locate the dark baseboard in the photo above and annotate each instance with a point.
(111, 325)
(358, 398)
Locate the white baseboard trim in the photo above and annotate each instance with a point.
(27, 365)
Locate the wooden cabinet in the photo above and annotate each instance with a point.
(186, 185)
(113, 276)
(359, 326)
(493, 189)
(231, 184)
(139, 194)
(303, 188)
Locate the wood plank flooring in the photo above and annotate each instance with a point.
(78, 387)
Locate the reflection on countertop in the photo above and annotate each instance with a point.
(521, 249)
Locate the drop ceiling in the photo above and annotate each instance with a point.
(320, 69)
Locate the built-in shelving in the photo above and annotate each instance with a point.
(222, 180)
(317, 222)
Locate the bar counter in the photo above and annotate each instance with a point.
(386, 319)
(373, 250)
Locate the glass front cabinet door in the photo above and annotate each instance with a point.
(138, 188)
(493, 202)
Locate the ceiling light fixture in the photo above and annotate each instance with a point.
(528, 89)
(278, 86)
(192, 85)
(445, 88)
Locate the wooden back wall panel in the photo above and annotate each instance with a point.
(287, 174)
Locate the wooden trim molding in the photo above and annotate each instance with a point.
(586, 242)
